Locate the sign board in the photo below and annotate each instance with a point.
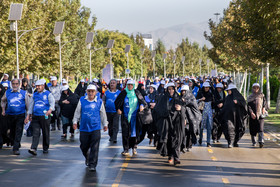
(15, 11)
(58, 28)
(127, 71)
(214, 73)
(107, 73)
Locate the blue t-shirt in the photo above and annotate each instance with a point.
(110, 100)
(16, 102)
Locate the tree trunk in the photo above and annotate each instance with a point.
(262, 79)
(278, 103)
(245, 83)
(267, 86)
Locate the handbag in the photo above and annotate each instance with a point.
(145, 116)
(201, 105)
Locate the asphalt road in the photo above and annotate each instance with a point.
(215, 166)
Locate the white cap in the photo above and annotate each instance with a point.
(219, 85)
(95, 80)
(171, 84)
(207, 80)
(130, 81)
(231, 86)
(82, 80)
(175, 78)
(154, 86)
(64, 88)
(91, 87)
(64, 81)
(187, 77)
(206, 84)
(224, 80)
(156, 78)
(185, 87)
(54, 78)
(165, 86)
(5, 84)
(162, 82)
(256, 84)
(6, 75)
(40, 82)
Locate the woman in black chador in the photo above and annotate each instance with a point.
(170, 125)
(234, 116)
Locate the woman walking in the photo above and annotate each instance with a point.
(257, 109)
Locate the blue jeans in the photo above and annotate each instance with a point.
(208, 128)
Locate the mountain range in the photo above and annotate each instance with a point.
(172, 36)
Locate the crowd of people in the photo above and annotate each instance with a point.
(171, 113)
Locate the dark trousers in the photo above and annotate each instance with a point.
(113, 126)
(38, 123)
(90, 140)
(188, 138)
(65, 123)
(15, 122)
(127, 141)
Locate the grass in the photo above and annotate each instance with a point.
(273, 118)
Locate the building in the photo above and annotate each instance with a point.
(148, 41)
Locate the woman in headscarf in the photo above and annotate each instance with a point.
(207, 114)
(170, 124)
(219, 99)
(234, 116)
(68, 103)
(26, 86)
(141, 89)
(192, 117)
(128, 104)
(257, 108)
(150, 129)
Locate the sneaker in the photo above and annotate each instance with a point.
(45, 151)
(261, 145)
(200, 142)
(63, 136)
(214, 141)
(16, 152)
(32, 151)
(115, 141)
(92, 169)
(125, 153)
(254, 144)
(134, 151)
(184, 150)
(208, 145)
(235, 144)
(170, 161)
(230, 146)
(176, 162)
(218, 141)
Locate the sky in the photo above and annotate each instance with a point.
(147, 15)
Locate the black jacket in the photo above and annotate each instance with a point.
(68, 110)
(80, 91)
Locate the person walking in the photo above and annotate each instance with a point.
(109, 98)
(55, 89)
(40, 108)
(257, 110)
(128, 104)
(16, 101)
(68, 103)
(91, 113)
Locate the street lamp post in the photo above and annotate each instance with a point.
(110, 45)
(217, 17)
(58, 29)
(127, 49)
(89, 40)
(200, 60)
(164, 64)
(183, 63)
(142, 53)
(174, 62)
(208, 61)
(153, 58)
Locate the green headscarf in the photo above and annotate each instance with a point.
(133, 101)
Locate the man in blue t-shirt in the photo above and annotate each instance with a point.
(14, 103)
(40, 108)
(5, 80)
(91, 113)
(113, 118)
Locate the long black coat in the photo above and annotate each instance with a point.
(119, 104)
(80, 91)
(68, 110)
(170, 124)
(234, 117)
